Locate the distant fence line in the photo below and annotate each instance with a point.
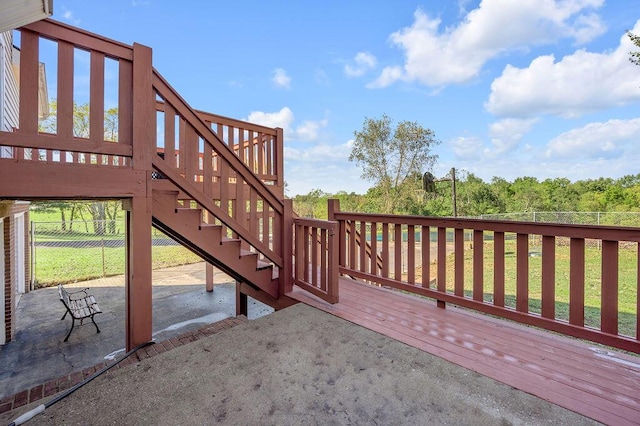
(72, 251)
(575, 218)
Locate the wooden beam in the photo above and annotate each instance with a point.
(64, 143)
(37, 180)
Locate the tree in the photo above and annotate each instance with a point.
(634, 57)
(103, 213)
(389, 157)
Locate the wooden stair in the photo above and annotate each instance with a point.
(186, 226)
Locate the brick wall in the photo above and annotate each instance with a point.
(8, 210)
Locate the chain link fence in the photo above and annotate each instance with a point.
(576, 218)
(71, 251)
(573, 218)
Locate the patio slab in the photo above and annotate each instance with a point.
(180, 304)
(298, 366)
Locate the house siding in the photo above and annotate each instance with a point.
(10, 84)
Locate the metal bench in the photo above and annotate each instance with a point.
(80, 305)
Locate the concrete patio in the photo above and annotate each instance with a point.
(180, 304)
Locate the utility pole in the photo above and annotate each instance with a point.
(453, 192)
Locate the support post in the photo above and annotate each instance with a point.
(139, 298)
(209, 274)
(241, 301)
(286, 277)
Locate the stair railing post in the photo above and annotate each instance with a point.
(286, 277)
(279, 154)
(139, 209)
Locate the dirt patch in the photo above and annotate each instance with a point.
(300, 366)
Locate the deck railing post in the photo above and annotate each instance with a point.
(139, 209)
(279, 154)
(286, 278)
(332, 263)
(333, 207)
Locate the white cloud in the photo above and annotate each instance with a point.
(322, 166)
(435, 57)
(68, 15)
(321, 77)
(282, 118)
(506, 134)
(363, 62)
(578, 83)
(281, 79)
(308, 131)
(318, 153)
(466, 148)
(596, 140)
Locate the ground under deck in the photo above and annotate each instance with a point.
(591, 380)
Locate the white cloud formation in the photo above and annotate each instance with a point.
(506, 134)
(282, 118)
(363, 62)
(596, 140)
(308, 131)
(281, 79)
(467, 148)
(578, 83)
(435, 57)
(321, 77)
(322, 166)
(68, 15)
(318, 153)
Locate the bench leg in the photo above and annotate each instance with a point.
(73, 323)
(94, 323)
(64, 316)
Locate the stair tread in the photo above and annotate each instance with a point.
(230, 240)
(251, 269)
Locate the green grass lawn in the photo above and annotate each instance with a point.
(627, 290)
(56, 265)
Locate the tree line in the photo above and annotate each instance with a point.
(475, 197)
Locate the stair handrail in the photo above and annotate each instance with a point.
(168, 93)
(214, 140)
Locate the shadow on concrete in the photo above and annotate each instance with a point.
(180, 304)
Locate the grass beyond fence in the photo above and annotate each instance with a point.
(627, 270)
(64, 256)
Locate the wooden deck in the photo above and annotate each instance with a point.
(591, 380)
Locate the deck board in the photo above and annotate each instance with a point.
(596, 382)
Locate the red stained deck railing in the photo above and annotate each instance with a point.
(316, 257)
(28, 144)
(231, 169)
(206, 168)
(514, 270)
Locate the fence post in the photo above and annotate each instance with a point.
(104, 268)
(32, 284)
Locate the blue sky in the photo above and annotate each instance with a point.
(511, 88)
